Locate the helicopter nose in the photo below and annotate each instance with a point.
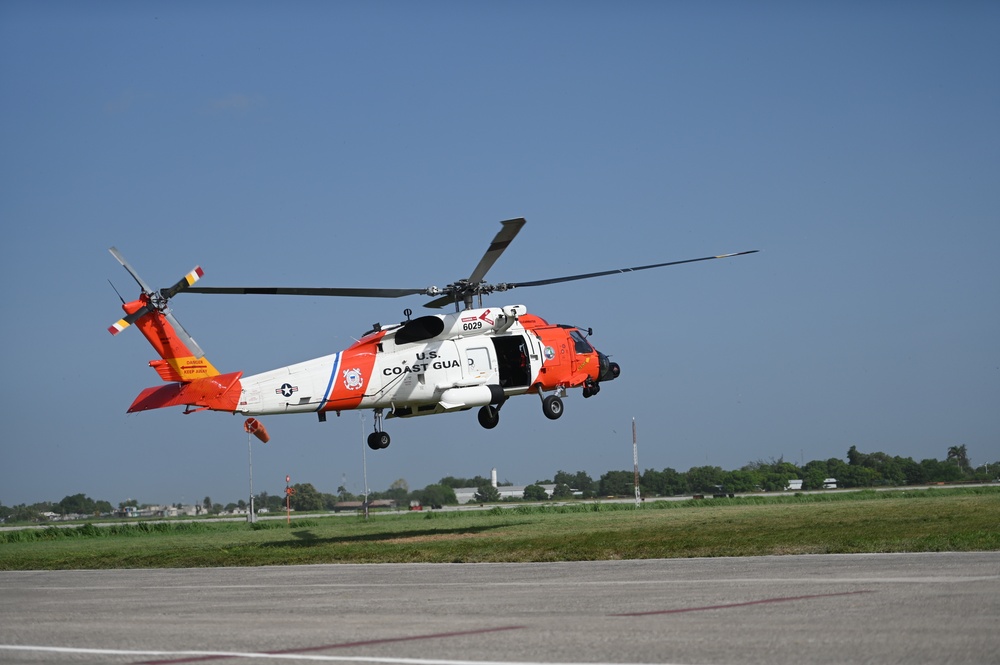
(609, 370)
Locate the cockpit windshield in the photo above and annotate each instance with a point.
(580, 342)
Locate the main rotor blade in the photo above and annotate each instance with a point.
(185, 282)
(496, 248)
(570, 278)
(121, 259)
(307, 291)
(443, 301)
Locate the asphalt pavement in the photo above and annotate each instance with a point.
(802, 610)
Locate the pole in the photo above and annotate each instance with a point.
(635, 462)
(252, 515)
(364, 462)
(289, 491)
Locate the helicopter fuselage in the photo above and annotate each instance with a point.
(433, 364)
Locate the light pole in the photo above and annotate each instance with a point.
(252, 515)
(256, 428)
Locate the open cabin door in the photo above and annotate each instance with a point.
(513, 361)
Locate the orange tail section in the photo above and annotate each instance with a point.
(195, 381)
(218, 393)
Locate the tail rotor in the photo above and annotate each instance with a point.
(151, 300)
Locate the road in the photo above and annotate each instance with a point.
(816, 609)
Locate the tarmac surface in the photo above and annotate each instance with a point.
(814, 609)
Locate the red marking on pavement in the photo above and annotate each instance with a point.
(342, 645)
(730, 605)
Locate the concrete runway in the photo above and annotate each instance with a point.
(881, 608)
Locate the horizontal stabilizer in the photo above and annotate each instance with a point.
(219, 393)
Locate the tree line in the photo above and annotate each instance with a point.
(861, 469)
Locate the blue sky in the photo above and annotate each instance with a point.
(379, 144)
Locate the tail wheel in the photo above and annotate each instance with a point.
(489, 416)
(552, 407)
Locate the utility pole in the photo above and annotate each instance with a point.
(635, 463)
(251, 516)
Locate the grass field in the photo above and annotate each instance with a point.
(899, 521)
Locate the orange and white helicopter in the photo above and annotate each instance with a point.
(439, 363)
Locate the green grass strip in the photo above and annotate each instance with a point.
(898, 521)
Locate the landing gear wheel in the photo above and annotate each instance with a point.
(489, 416)
(378, 440)
(552, 407)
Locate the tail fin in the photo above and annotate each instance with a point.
(193, 379)
(178, 361)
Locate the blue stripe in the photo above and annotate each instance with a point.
(329, 387)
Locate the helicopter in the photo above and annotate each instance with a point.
(473, 357)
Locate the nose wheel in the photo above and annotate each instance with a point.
(552, 407)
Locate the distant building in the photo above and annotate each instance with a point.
(468, 494)
(794, 485)
(341, 506)
(830, 484)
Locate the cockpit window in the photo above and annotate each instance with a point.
(580, 342)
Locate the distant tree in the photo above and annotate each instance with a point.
(702, 479)
(24, 513)
(273, 503)
(436, 496)
(487, 494)
(562, 491)
(77, 504)
(662, 483)
(912, 472)
(399, 491)
(344, 495)
(535, 493)
(306, 497)
(740, 481)
(207, 504)
(617, 483)
(329, 500)
(959, 456)
(814, 475)
(579, 481)
(941, 472)
(130, 502)
(477, 481)
(858, 476)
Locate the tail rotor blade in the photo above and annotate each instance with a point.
(123, 323)
(183, 334)
(125, 264)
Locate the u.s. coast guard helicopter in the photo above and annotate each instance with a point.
(439, 363)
